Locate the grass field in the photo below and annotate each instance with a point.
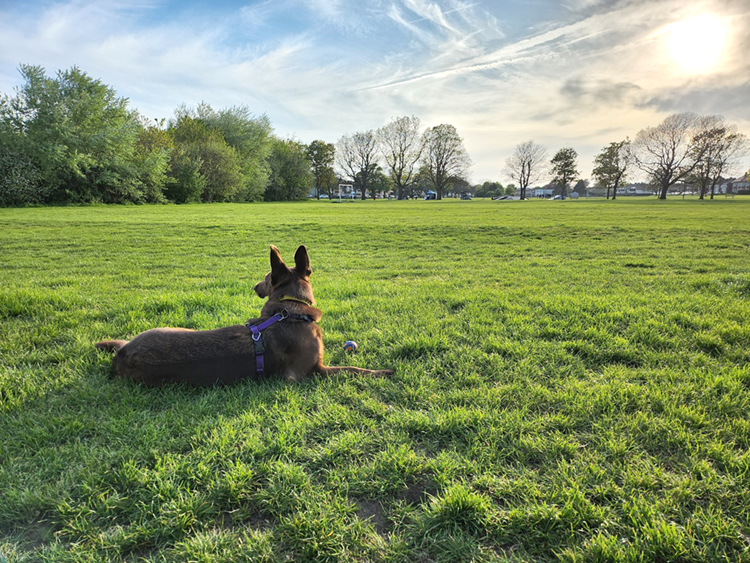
(572, 383)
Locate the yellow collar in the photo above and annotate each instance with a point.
(295, 299)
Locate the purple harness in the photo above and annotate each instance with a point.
(256, 331)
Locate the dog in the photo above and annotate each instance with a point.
(285, 341)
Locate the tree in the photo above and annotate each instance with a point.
(185, 183)
(716, 150)
(219, 167)
(377, 181)
(79, 138)
(444, 157)
(291, 177)
(251, 138)
(321, 156)
(667, 152)
(527, 165)
(564, 168)
(401, 146)
(490, 189)
(153, 151)
(611, 166)
(356, 155)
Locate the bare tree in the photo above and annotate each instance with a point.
(526, 165)
(611, 166)
(356, 156)
(669, 152)
(402, 147)
(444, 157)
(716, 149)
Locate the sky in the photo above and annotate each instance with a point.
(576, 73)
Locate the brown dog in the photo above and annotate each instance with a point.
(290, 347)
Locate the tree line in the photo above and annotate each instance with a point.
(70, 139)
(685, 147)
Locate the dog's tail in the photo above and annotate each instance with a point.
(332, 370)
(111, 345)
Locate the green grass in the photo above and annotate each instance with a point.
(572, 383)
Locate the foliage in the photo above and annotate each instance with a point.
(564, 168)
(80, 139)
(20, 178)
(588, 400)
(291, 177)
(218, 164)
(321, 156)
(251, 137)
(444, 157)
(526, 165)
(377, 181)
(611, 166)
(490, 189)
(186, 182)
(232, 148)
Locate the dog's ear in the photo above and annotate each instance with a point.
(302, 262)
(278, 268)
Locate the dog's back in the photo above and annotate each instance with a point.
(293, 349)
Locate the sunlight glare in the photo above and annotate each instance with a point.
(696, 44)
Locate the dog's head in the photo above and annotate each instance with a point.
(285, 281)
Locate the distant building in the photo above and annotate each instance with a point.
(734, 185)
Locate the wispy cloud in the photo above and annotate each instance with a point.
(584, 73)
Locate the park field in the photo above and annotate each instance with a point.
(572, 383)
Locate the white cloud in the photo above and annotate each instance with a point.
(320, 69)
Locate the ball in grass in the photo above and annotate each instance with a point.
(350, 346)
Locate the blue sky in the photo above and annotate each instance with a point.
(577, 73)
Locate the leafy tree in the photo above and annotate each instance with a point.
(153, 151)
(357, 156)
(80, 137)
(291, 177)
(377, 181)
(20, 179)
(526, 165)
(510, 189)
(611, 166)
(248, 136)
(321, 156)
(186, 183)
(564, 168)
(490, 189)
(401, 145)
(444, 157)
(219, 164)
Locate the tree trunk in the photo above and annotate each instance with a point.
(664, 189)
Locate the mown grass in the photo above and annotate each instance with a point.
(572, 383)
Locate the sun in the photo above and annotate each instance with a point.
(697, 44)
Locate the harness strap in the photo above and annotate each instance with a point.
(256, 331)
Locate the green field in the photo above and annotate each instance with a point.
(572, 383)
